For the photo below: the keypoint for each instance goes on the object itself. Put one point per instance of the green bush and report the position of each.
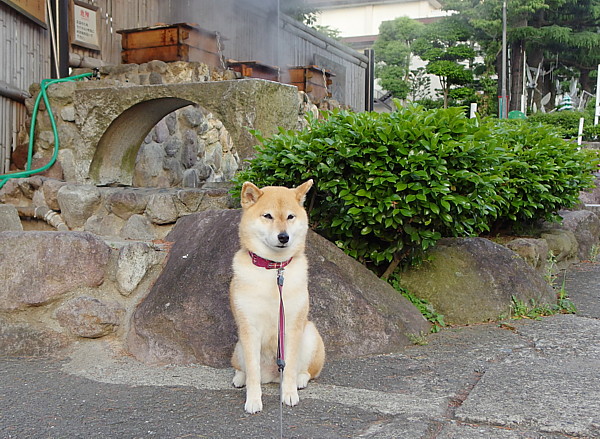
(541, 172)
(388, 186)
(566, 123)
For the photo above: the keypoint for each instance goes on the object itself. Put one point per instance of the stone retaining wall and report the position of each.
(74, 286)
(118, 213)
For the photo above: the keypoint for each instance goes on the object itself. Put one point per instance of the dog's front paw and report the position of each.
(239, 379)
(253, 405)
(290, 397)
(302, 380)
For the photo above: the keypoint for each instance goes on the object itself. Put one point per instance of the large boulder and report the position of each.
(186, 316)
(39, 267)
(471, 280)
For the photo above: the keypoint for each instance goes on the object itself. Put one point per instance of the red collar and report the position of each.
(265, 263)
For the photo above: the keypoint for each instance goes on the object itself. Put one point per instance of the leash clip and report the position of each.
(280, 276)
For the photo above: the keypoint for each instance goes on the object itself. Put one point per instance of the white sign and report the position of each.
(85, 31)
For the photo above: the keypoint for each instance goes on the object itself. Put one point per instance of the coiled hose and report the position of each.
(41, 95)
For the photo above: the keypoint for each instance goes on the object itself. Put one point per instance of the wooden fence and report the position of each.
(249, 30)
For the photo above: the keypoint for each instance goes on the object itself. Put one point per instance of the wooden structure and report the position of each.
(313, 80)
(254, 69)
(176, 42)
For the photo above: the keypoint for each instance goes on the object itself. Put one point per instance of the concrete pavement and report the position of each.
(515, 380)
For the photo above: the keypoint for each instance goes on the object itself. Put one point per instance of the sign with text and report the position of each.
(33, 9)
(84, 25)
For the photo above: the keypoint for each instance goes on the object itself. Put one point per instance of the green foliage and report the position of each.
(419, 84)
(392, 78)
(389, 185)
(541, 172)
(393, 54)
(444, 45)
(566, 123)
(532, 310)
(424, 307)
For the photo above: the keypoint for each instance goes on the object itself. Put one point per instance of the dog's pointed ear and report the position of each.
(302, 190)
(250, 194)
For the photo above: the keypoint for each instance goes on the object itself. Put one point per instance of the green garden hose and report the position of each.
(42, 95)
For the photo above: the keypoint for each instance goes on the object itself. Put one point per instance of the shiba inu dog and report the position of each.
(272, 236)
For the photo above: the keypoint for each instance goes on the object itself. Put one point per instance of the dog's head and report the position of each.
(274, 222)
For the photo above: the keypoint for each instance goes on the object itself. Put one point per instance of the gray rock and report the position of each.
(104, 225)
(45, 139)
(192, 116)
(189, 200)
(68, 113)
(77, 203)
(127, 202)
(89, 317)
(189, 154)
(161, 132)
(11, 193)
(189, 136)
(533, 251)
(155, 78)
(174, 171)
(591, 196)
(51, 188)
(161, 208)
(563, 246)
(229, 166)
(134, 261)
(29, 185)
(585, 225)
(9, 219)
(471, 280)
(204, 171)
(171, 121)
(213, 156)
(190, 178)
(39, 267)
(23, 340)
(149, 170)
(172, 146)
(216, 196)
(186, 317)
(138, 228)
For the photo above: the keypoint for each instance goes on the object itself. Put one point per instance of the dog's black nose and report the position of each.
(283, 237)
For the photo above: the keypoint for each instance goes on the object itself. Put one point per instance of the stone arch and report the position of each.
(114, 122)
(114, 160)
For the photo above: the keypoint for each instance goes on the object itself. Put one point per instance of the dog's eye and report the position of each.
(267, 216)
(291, 217)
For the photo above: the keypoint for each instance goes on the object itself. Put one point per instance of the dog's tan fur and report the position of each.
(254, 297)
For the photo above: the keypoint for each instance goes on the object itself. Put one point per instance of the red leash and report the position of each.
(281, 328)
(270, 265)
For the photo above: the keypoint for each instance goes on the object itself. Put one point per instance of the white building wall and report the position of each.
(365, 19)
(353, 21)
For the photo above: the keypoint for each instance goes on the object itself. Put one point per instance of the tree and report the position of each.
(393, 54)
(549, 33)
(445, 45)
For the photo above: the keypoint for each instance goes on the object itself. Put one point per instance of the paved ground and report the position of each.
(521, 379)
